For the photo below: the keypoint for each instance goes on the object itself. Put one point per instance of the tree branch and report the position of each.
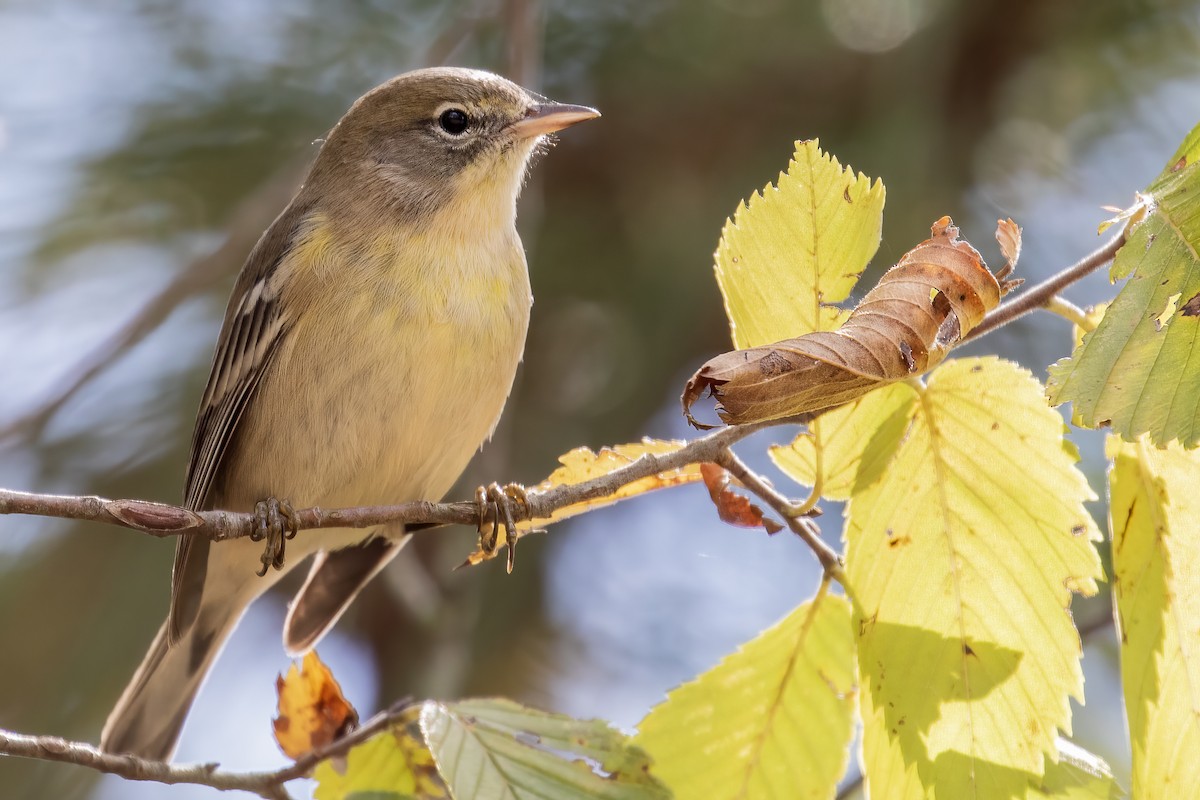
(265, 784)
(1039, 296)
(160, 519)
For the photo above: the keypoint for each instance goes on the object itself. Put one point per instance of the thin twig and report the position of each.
(264, 784)
(1038, 296)
(803, 527)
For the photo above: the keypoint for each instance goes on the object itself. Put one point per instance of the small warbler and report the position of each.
(366, 353)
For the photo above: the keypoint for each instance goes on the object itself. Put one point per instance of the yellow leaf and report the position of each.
(773, 720)
(849, 447)
(962, 560)
(313, 712)
(1154, 508)
(395, 764)
(797, 248)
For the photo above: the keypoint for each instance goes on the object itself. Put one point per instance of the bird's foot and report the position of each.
(274, 521)
(504, 505)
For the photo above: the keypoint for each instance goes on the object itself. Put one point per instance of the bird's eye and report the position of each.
(454, 121)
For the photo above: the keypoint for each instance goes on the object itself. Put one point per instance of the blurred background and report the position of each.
(145, 144)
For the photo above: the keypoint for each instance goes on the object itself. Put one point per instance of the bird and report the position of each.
(366, 353)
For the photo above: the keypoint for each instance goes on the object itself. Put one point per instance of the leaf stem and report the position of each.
(814, 429)
(1070, 312)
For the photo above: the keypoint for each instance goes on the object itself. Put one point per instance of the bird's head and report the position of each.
(431, 136)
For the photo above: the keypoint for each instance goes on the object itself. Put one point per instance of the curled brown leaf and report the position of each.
(920, 309)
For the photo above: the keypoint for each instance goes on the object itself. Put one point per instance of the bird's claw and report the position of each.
(275, 521)
(497, 502)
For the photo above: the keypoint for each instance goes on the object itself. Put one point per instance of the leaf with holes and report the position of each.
(499, 750)
(1138, 370)
(773, 720)
(962, 559)
(1154, 506)
(919, 310)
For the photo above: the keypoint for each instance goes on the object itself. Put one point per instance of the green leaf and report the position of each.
(962, 560)
(773, 720)
(849, 447)
(499, 750)
(1139, 371)
(1154, 508)
(392, 765)
(796, 248)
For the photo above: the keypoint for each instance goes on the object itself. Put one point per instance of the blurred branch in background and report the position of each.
(523, 42)
(249, 220)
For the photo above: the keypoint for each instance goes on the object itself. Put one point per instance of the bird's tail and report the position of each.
(148, 718)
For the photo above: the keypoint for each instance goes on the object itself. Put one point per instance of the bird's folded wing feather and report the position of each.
(254, 326)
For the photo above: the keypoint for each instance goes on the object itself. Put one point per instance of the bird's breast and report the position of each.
(391, 377)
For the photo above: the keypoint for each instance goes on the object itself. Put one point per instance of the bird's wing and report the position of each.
(254, 326)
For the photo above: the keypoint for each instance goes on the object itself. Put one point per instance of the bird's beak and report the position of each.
(550, 117)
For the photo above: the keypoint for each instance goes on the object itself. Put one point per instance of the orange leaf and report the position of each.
(919, 310)
(313, 712)
(732, 507)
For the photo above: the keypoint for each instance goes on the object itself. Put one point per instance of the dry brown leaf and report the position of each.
(1008, 234)
(732, 507)
(920, 309)
(582, 464)
(313, 712)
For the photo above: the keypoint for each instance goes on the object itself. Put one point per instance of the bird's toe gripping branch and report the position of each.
(502, 505)
(274, 521)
